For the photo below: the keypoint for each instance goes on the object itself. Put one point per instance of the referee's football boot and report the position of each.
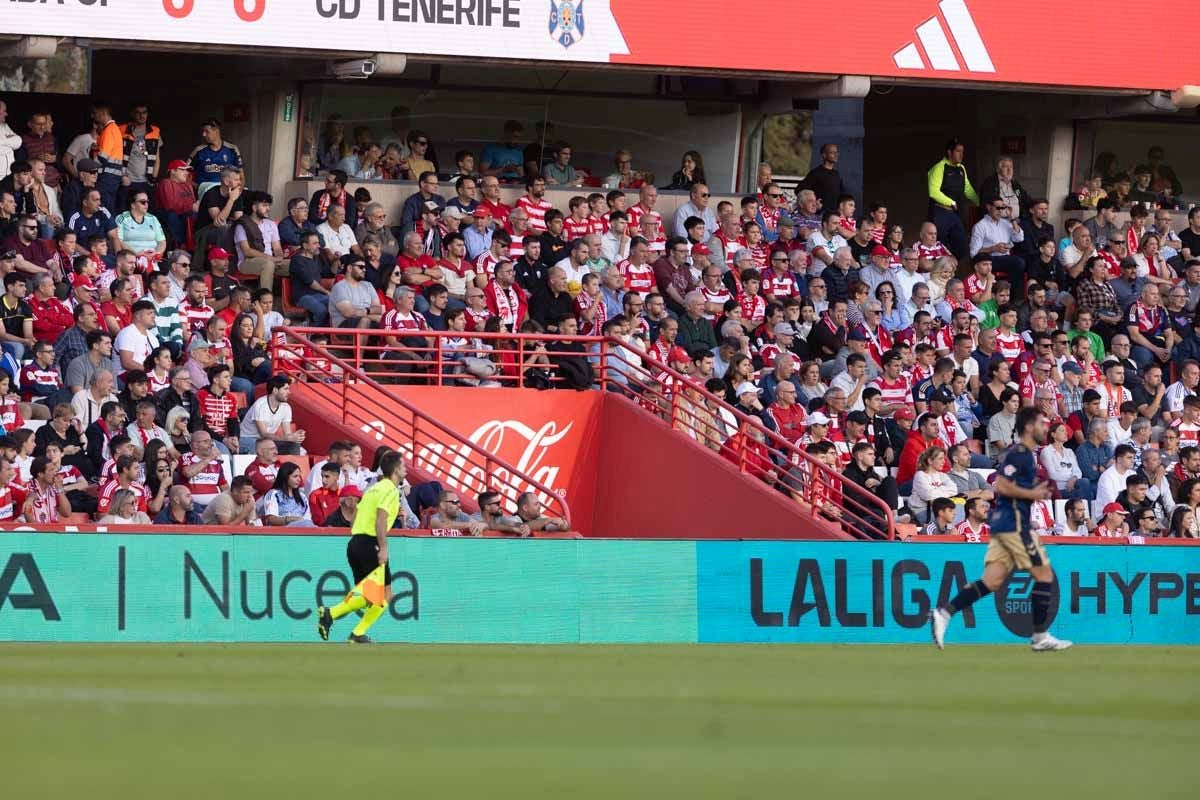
(324, 623)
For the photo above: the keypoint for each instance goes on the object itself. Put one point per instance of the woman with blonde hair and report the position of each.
(931, 482)
(124, 510)
(939, 276)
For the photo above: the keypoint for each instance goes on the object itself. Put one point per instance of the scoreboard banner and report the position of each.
(115, 587)
(1018, 41)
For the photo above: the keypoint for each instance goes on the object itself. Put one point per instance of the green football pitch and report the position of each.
(407, 721)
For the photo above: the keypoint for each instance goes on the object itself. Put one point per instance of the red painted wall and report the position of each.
(624, 473)
(656, 482)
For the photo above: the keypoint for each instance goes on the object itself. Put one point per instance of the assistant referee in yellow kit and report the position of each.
(368, 549)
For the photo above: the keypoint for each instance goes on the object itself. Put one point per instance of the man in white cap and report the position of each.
(747, 399)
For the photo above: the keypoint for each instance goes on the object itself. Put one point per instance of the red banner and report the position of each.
(1031, 42)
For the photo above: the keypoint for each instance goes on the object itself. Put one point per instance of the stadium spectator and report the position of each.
(942, 512)
(250, 359)
(450, 516)
(257, 241)
(45, 502)
(353, 303)
(265, 466)
(178, 509)
(1113, 480)
(930, 481)
(271, 417)
(233, 507)
(337, 237)
(491, 515)
(41, 383)
(123, 510)
(323, 500)
(285, 502)
(125, 477)
(343, 515)
(220, 207)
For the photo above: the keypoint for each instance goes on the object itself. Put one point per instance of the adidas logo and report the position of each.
(937, 44)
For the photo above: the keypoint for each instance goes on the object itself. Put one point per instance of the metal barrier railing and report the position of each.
(429, 445)
(547, 361)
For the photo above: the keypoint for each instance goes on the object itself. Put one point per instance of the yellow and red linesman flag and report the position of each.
(373, 587)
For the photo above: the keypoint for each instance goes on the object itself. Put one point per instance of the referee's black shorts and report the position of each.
(363, 554)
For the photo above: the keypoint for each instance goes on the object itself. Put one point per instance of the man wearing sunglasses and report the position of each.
(450, 517)
(696, 206)
(32, 253)
(769, 209)
(995, 235)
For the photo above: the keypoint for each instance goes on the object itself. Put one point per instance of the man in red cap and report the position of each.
(218, 282)
(878, 271)
(343, 517)
(478, 234)
(678, 360)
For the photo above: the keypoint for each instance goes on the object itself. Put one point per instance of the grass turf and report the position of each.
(249, 721)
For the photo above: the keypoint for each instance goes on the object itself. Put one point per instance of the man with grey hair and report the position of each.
(596, 261)
(87, 402)
(808, 214)
(179, 266)
(908, 276)
(612, 291)
(337, 235)
(695, 330)
(878, 270)
(696, 206)
(1159, 492)
(955, 299)
(724, 244)
(840, 273)
(375, 224)
(1095, 454)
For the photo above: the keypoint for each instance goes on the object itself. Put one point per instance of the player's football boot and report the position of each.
(356, 639)
(939, 619)
(1048, 642)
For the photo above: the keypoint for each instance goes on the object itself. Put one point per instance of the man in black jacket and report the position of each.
(179, 393)
(530, 268)
(862, 480)
(551, 302)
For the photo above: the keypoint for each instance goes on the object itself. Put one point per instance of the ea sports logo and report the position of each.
(1014, 604)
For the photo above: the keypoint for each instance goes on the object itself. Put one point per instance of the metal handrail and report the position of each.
(819, 489)
(465, 465)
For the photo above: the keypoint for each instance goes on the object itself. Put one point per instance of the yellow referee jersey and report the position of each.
(383, 495)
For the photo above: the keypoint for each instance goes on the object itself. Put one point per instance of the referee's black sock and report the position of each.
(968, 596)
(1041, 605)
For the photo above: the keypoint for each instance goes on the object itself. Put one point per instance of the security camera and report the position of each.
(358, 68)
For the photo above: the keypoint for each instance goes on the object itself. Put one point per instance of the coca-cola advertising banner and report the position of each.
(957, 40)
(551, 437)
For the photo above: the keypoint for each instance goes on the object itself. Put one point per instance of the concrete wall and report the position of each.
(906, 131)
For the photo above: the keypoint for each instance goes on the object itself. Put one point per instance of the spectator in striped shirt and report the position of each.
(167, 323)
(534, 203)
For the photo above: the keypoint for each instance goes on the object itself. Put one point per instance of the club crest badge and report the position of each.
(566, 21)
